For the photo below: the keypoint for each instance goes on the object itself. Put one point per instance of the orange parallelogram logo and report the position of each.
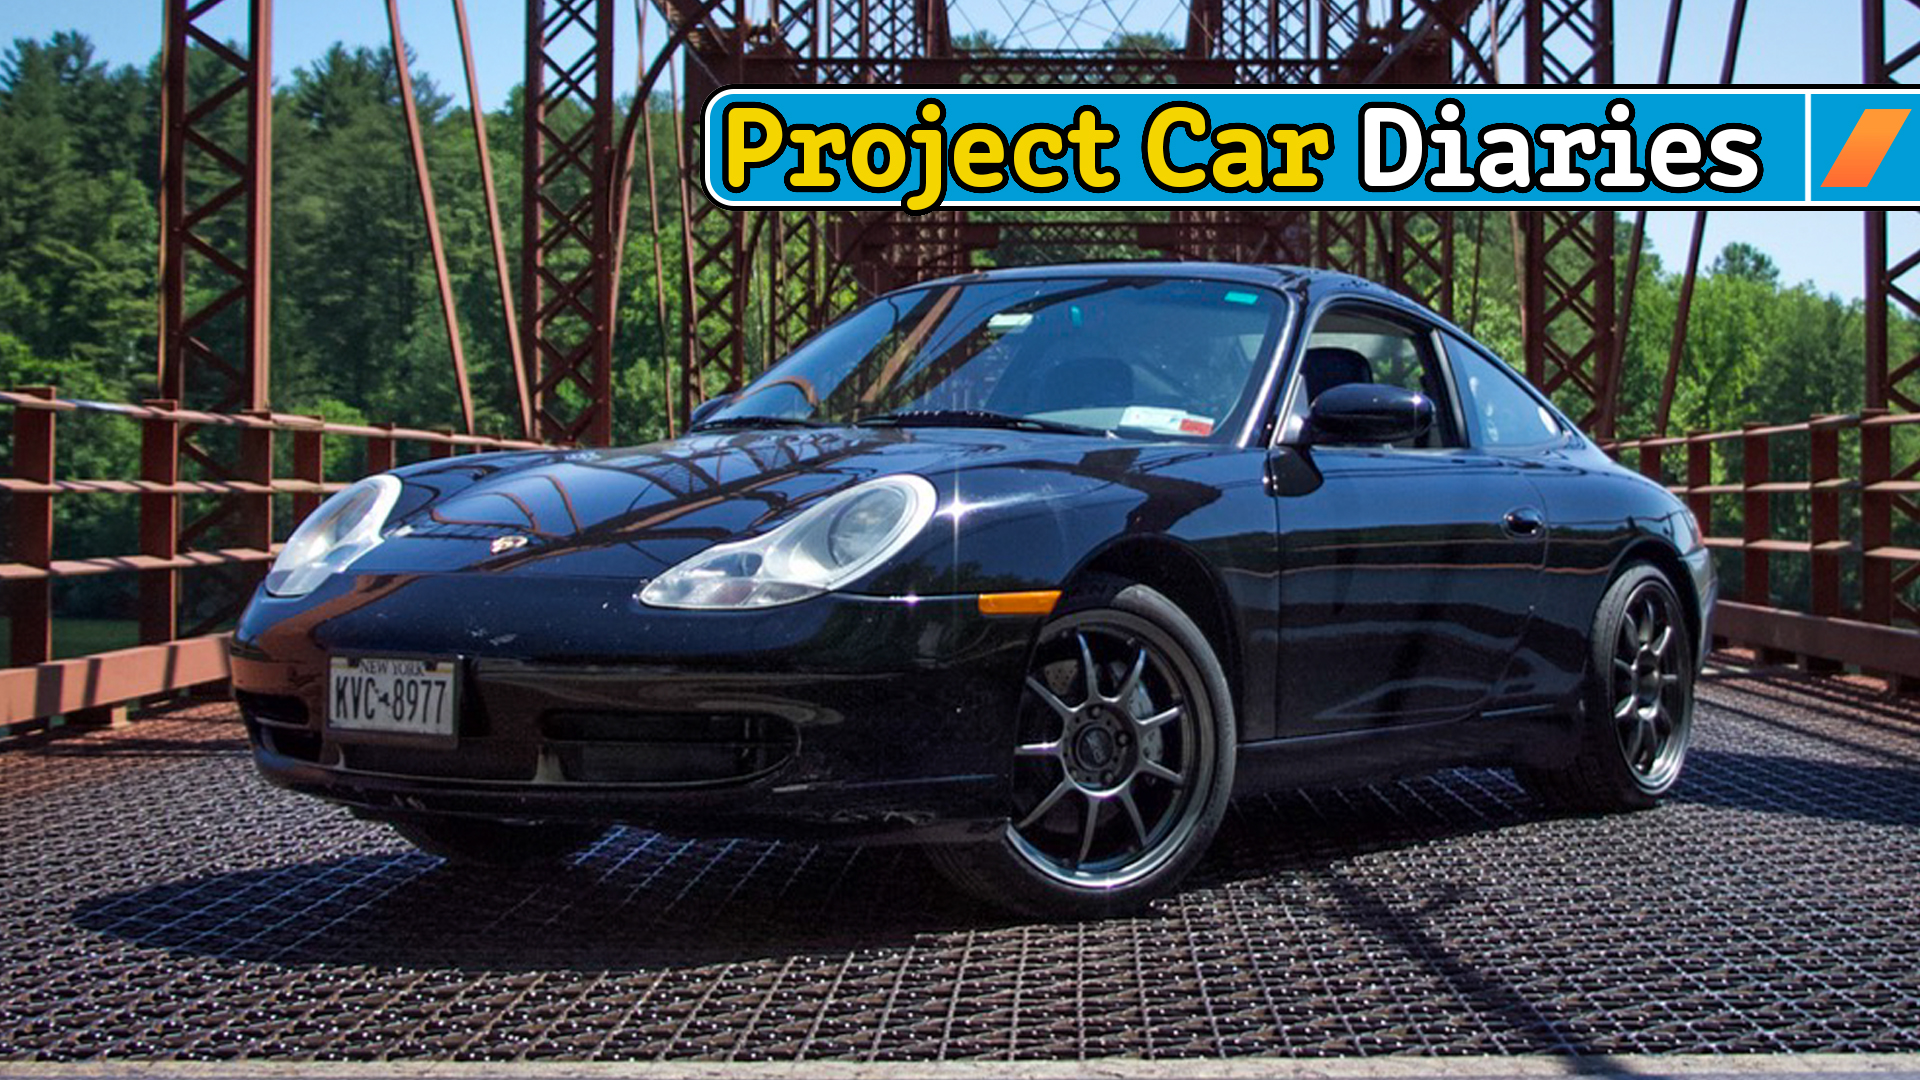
(1866, 148)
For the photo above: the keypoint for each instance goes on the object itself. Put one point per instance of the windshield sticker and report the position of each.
(1169, 421)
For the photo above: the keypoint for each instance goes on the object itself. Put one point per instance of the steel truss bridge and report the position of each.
(157, 902)
(749, 283)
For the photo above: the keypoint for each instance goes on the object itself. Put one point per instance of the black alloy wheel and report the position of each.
(1638, 702)
(1651, 711)
(1121, 765)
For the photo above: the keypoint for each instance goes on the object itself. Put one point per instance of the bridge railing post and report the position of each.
(379, 456)
(1824, 483)
(160, 523)
(309, 466)
(1876, 518)
(1756, 518)
(1650, 463)
(256, 512)
(1699, 499)
(30, 597)
(1881, 488)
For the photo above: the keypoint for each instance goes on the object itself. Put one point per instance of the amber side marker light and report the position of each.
(1019, 603)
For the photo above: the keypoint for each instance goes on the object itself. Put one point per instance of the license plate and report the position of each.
(392, 695)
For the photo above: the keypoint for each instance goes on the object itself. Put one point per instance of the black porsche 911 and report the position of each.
(1035, 567)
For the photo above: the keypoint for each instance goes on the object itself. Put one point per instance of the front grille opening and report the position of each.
(666, 748)
(301, 745)
(273, 710)
(278, 725)
(471, 759)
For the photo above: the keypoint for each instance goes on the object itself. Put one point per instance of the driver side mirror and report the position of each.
(1369, 413)
(708, 408)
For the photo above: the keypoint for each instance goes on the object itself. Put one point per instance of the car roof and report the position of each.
(1250, 273)
(1272, 275)
(1275, 275)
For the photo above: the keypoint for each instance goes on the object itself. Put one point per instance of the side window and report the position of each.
(1501, 412)
(1359, 345)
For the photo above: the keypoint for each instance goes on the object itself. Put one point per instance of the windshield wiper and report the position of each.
(757, 422)
(985, 418)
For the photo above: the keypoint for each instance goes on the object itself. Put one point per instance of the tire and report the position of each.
(1637, 705)
(1118, 787)
(483, 842)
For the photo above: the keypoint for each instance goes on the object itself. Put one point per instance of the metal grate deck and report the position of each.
(158, 900)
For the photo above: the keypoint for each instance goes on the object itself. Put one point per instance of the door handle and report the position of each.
(1524, 522)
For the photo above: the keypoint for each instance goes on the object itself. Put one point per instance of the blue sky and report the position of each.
(1782, 44)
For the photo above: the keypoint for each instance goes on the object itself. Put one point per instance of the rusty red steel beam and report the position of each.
(15, 485)
(26, 401)
(1883, 650)
(1676, 347)
(1876, 309)
(1667, 41)
(216, 249)
(1882, 65)
(690, 293)
(30, 603)
(259, 203)
(1616, 372)
(102, 680)
(531, 256)
(310, 469)
(1473, 300)
(496, 229)
(663, 64)
(1873, 47)
(1756, 518)
(119, 564)
(643, 94)
(569, 214)
(185, 360)
(34, 686)
(1876, 520)
(170, 358)
(1826, 637)
(423, 178)
(1869, 419)
(1610, 407)
(1888, 486)
(159, 525)
(1736, 26)
(1825, 483)
(627, 145)
(1451, 17)
(1730, 58)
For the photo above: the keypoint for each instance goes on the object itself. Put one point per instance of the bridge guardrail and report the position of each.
(95, 688)
(1880, 633)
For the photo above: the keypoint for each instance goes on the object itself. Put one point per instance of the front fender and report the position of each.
(1030, 524)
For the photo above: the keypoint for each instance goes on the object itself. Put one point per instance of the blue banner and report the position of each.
(922, 148)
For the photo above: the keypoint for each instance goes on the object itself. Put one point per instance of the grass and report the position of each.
(79, 637)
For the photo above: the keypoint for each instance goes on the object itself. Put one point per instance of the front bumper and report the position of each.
(1706, 591)
(838, 716)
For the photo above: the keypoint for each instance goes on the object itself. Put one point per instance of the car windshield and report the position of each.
(1138, 357)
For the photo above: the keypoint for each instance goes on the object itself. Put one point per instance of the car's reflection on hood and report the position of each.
(634, 512)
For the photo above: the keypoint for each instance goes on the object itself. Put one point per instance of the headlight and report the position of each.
(345, 527)
(821, 549)
(1691, 528)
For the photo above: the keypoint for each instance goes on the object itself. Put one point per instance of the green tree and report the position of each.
(1741, 260)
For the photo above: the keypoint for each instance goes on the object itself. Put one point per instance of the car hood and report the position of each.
(632, 513)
